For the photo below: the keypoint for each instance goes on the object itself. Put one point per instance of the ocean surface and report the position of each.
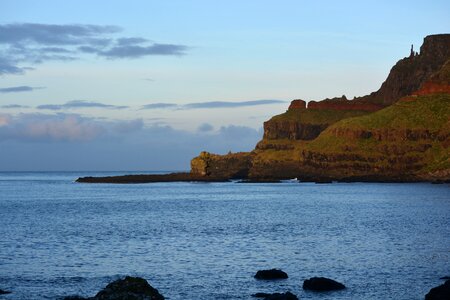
(207, 240)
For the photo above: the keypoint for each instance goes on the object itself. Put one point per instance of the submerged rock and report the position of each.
(322, 284)
(276, 296)
(441, 292)
(3, 292)
(270, 274)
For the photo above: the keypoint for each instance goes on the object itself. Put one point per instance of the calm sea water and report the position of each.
(207, 240)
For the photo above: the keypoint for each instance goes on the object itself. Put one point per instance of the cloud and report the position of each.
(159, 106)
(131, 41)
(37, 43)
(51, 34)
(18, 89)
(212, 104)
(205, 127)
(8, 106)
(75, 104)
(224, 104)
(134, 51)
(9, 67)
(40, 127)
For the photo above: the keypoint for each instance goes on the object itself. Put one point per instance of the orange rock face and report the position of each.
(297, 104)
(344, 105)
(433, 88)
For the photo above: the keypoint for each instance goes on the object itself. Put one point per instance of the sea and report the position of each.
(207, 240)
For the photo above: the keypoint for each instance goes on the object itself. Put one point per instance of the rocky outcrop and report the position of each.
(441, 292)
(322, 284)
(230, 166)
(132, 288)
(3, 292)
(292, 130)
(271, 274)
(129, 288)
(399, 133)
(297, 104)
(276, 296)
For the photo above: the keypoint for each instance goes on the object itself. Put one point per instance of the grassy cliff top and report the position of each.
(430, 112)
(316, 116)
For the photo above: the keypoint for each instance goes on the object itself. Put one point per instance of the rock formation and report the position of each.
(441, 292)
(322, 284)
(130, 288)
(399, 133)
(271, 274)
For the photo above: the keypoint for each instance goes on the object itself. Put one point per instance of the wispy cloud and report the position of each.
(36, 43)
(79, 104)
(42, 127)
(134, 51)
(9, 106)
(18, 89)
(225, 104)
(159, 106)
(211, 104)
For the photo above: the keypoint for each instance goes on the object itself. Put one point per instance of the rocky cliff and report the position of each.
(409, 73)
(399, 133)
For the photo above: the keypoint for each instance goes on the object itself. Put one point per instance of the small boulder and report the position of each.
(270, 274)
(322, 284)
(276, 296)
(441, 292)
(130, 288)
(3, 292)
(445, 277)
(76, 297)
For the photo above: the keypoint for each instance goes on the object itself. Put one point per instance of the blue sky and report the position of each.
(152, 83)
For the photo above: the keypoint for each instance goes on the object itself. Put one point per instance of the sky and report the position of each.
(147, 85)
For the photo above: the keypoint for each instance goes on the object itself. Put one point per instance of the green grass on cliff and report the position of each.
(317, 116)
(422, 112)
(430, 113)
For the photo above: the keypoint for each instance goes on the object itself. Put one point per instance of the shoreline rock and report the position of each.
(272, 274)
(322, 284)
(130, 288)
(441, 292)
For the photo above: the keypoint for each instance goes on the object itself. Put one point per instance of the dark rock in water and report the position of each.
(445, 277)
(271, 274)
(441, 292)
(322, 284)
(129, 288)
(149, 178)
(76, 297)
(276, 296)
(3, 292)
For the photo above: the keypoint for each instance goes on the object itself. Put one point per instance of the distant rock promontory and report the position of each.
(400, 133)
